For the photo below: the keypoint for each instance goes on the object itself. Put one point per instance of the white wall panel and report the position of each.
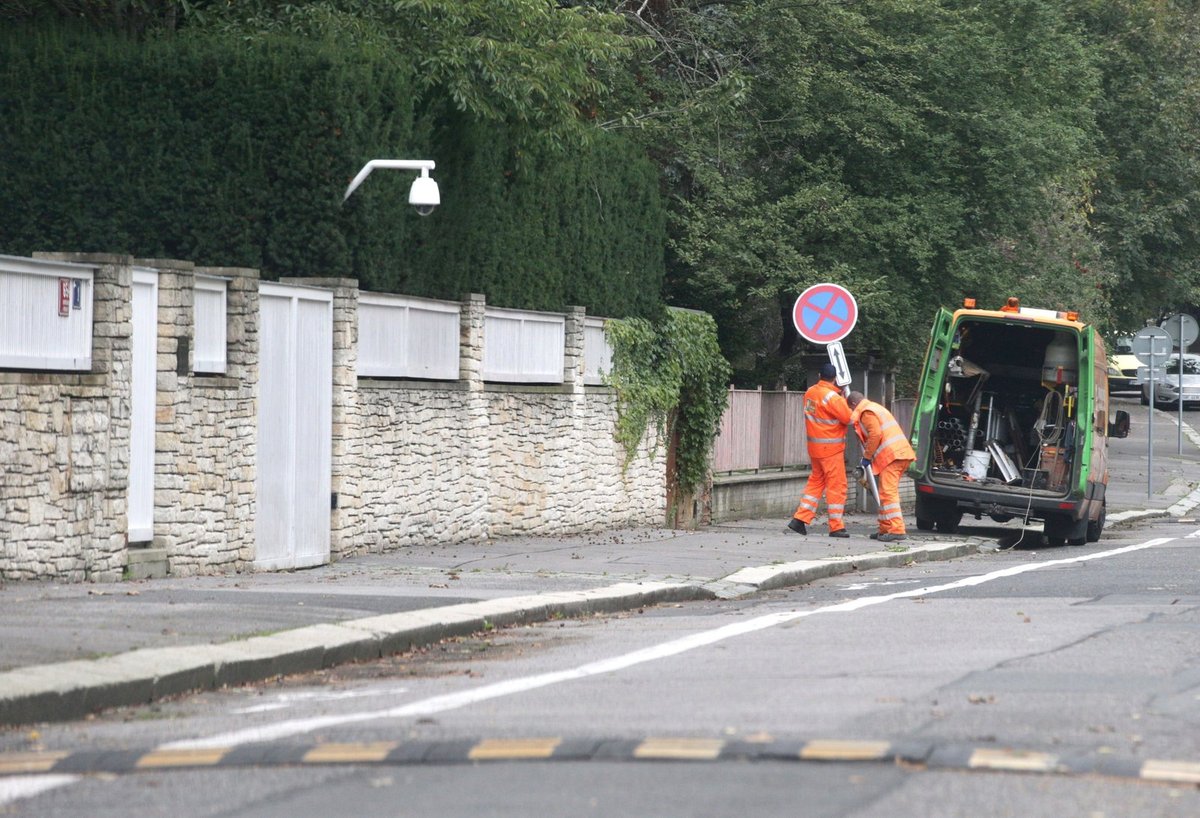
(314, 430)
(405, 337)
(523, 347)
(597, 352)
(143, 409)
(294, 426)
(34, 332)
(211, 321)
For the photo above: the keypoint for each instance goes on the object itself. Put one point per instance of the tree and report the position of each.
(1147, 199)
(914, 153)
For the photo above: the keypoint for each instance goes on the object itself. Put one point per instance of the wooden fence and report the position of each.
(765, 430)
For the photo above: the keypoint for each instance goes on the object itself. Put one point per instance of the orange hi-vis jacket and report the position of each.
(884, 442)
(826, 416)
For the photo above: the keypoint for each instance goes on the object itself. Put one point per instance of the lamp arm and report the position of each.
(423, 165)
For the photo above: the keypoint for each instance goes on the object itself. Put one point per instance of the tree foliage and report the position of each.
(1147, 184)
(914, 153)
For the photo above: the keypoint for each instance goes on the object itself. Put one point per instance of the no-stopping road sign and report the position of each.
(825, 313)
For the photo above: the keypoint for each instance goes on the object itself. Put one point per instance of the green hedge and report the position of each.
(542, 228)
(219, 152)
(226, 152)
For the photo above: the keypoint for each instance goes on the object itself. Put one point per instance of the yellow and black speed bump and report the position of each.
(913, 754)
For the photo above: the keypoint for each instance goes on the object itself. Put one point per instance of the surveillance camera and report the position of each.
(424, 195)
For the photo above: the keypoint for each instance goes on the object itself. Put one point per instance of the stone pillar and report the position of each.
(477, 523)
(176, 530)
(573, 360)
(91, 457)
(220, 454)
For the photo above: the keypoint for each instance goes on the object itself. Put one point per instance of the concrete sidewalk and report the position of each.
(66, 650)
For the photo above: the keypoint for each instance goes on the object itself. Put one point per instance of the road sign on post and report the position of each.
(1151, 345)
(1151, 342)
(1183, 331)
(1182, 326)
(825, 313)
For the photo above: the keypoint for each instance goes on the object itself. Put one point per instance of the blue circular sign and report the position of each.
(825, 313)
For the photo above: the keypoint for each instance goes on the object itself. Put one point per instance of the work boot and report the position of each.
(876, 535)
(796, 526)
(840, 533)
(891, 537)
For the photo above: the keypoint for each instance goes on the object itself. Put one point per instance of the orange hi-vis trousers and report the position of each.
(891, 517)
(828, 477)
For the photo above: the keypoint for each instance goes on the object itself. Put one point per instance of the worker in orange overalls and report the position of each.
(826, 416)
(887, 453)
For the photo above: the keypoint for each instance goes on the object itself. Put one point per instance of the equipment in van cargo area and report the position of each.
(1012, 421)
(1013, 389)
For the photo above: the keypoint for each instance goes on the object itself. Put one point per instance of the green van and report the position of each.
(1012, 421)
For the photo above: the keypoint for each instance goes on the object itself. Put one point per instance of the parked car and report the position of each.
(1123, 367)
(1166, 383)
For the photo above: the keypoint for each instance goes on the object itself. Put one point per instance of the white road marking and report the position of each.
(1195, 535)
(454, 701)
(288, 699)
(862, 586)
(27, 786)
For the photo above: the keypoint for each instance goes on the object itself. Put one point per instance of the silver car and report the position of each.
(1166, 383)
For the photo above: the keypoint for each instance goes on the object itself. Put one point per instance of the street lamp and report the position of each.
(423, 195)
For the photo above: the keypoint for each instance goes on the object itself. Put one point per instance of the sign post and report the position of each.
(1148, 344)
(825, 314)
(1183, 331)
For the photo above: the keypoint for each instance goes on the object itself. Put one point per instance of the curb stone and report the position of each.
(71, 690)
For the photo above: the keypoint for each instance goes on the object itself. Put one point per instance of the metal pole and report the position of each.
(1179, 439)
(1150, 431)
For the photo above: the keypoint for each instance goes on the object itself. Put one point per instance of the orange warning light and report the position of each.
(969, 303)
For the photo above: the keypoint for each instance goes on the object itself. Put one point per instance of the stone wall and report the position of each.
(422, 463)
(64, 454)
(414, 463)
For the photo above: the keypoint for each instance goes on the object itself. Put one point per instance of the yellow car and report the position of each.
(1123, 367)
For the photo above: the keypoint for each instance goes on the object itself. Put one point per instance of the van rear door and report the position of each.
(929, 392)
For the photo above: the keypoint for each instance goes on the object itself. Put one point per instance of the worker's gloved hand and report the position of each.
(865, 463)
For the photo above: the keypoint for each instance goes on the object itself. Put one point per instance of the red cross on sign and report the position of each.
(825, 313)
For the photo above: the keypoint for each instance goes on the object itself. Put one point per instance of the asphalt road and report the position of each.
(1025, 681)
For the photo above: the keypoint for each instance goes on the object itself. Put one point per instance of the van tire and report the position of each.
(1096, 527)
(1060, 528)
(937, 512)
(948, 522)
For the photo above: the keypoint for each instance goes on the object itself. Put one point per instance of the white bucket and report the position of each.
(977, 463)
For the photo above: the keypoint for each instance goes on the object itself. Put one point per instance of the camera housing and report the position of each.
(424, 194)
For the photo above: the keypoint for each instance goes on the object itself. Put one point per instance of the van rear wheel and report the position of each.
(948, 522)
(1096, 527)
(936, 512)
(1062, 528)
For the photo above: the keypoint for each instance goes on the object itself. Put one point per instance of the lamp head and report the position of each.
(424, 194)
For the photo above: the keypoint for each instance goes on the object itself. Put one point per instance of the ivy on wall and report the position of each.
(672, 377)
